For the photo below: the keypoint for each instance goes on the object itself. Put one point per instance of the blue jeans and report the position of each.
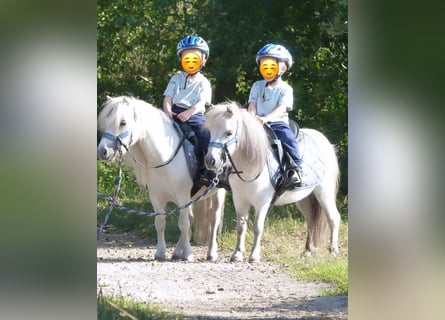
(195, 123)
(287, 138)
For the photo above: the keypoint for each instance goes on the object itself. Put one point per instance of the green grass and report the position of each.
(118, 308)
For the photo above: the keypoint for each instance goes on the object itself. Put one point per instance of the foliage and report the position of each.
(137, 40)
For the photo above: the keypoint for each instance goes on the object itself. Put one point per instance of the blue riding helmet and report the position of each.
(193, 42)
(275, 51)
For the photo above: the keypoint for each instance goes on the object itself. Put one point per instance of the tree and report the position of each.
(137, 52)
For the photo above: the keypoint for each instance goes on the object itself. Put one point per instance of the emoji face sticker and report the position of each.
(269, 68)
(191, 61)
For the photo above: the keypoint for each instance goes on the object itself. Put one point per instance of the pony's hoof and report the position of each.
(212, 258)
(177, 257)
(254, 260)
(189, 258)
(306, 253)
(333, 251)
(160, 258)
(236, 257)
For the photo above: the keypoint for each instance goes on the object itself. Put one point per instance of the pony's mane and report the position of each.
(253, 143)
(142, 109)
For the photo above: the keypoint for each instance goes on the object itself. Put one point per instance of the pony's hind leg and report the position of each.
(329, 208)
(315, 221)
(305, 207)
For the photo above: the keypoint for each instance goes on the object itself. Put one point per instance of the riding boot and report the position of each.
(292, 178)
(206, 177)
(293, 175)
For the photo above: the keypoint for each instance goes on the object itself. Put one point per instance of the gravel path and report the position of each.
(205, 290)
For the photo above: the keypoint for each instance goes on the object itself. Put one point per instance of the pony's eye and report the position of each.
(229, 134)
(123, 123)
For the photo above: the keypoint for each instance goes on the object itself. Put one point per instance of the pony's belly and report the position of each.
(293, 196)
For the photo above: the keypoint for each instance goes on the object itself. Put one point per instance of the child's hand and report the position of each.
(261, 120)
(185, 115)
(170, 114)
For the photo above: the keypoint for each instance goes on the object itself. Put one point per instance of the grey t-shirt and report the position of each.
(267, 98)
(186, 92)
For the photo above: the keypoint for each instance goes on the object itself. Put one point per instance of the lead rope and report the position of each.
(113, 203)
(113, 200)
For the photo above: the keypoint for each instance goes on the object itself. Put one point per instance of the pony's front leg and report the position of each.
(183, 249)
(258, 229)
(241, 227)
(215, 220)
(160, 230)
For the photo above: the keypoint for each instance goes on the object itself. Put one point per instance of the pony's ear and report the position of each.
(229, 112)
(108, 98)
(124, 100)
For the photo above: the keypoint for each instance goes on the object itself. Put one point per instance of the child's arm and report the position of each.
(168, 106)
(252, 108)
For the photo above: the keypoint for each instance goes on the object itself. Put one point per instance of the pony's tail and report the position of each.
(201, 221)
(320, 224)
(317, 223)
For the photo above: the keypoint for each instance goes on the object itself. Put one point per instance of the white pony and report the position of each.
(236, 135)
(159, 163)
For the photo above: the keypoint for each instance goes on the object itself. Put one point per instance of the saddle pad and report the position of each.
(313, 167)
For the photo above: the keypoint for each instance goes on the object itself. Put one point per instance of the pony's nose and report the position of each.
(209, 162)
(102, 153)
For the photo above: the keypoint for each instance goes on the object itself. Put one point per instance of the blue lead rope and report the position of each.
(113, 203)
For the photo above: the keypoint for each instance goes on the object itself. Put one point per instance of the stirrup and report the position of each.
(292, 179)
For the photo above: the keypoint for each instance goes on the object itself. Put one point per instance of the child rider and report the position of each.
(269, 101)
(189, 91)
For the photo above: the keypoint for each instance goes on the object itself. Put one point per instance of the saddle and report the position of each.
(283, 158)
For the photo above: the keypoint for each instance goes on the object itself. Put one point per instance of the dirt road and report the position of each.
(205, 290)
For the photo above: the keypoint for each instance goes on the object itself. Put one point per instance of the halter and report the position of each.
(118, 139)
(224, 147)
(118, 143)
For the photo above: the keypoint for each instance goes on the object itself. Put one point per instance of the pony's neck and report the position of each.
(158, 138)
(250, 156)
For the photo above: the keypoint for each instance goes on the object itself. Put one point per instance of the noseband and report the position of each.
(118, 139)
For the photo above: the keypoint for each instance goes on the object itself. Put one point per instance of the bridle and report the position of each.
(225, 153)
(118, 143)
(118, 139)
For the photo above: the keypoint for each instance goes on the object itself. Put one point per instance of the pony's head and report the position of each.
(116, 120)
(236, 132)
